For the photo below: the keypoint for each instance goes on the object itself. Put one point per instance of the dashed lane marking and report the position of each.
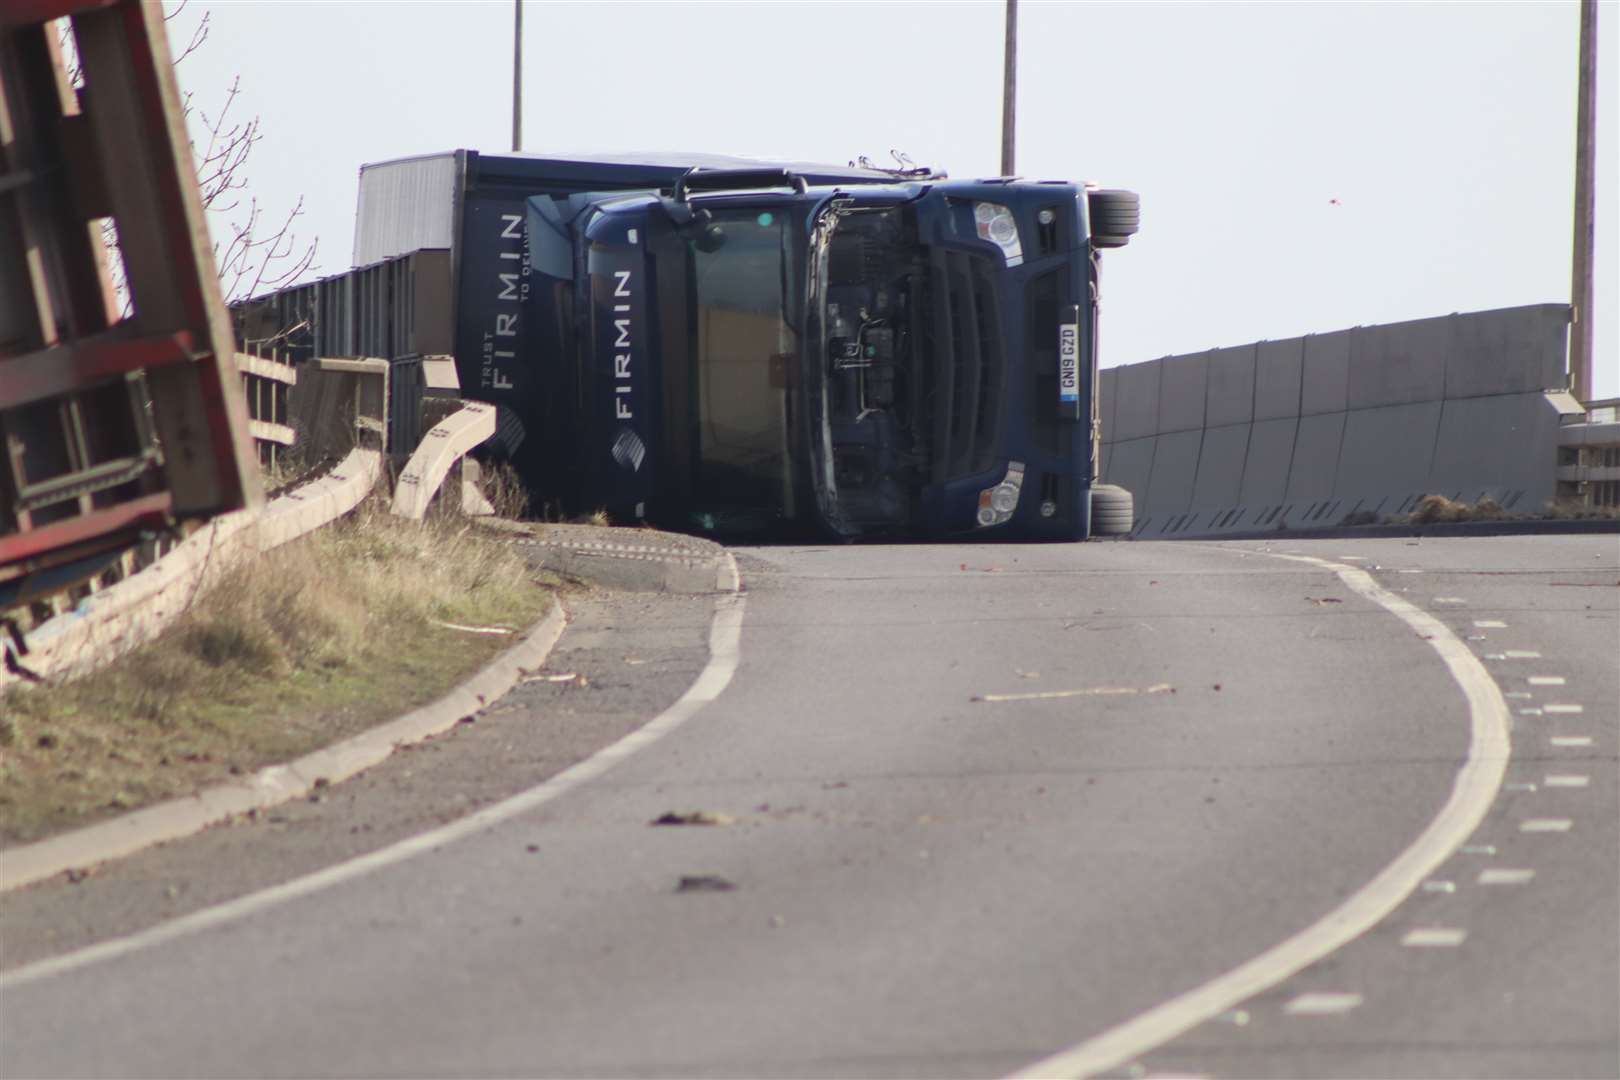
(1434, 937)
(1449, 600)
(1504, 877)
(1440, 886)
(1546, 824)
(1563, 710)
(1322, 1004)
(1518, 695)
(1545, 680)
(1571, 740)
(1520, 786)
(1566, 780)
(1529, 712)
(1474, 788)
(1478, 849)
(1520, 654)
(1490, 624)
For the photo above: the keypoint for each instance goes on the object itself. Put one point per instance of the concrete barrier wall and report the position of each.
(1304, 432)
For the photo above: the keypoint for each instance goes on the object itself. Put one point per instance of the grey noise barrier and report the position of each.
(1301, 433)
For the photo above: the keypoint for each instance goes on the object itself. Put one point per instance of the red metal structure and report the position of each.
(109, 426)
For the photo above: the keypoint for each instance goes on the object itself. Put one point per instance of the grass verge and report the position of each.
(318, 640)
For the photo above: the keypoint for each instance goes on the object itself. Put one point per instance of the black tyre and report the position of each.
(1113, 511)
(1115, 216)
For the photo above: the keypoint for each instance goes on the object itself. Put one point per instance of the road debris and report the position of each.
(1320, 600)
(572, 678)
(692, 817)
(704, 883)
(1094, 691)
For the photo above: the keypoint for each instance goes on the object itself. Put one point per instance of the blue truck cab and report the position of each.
(716, 344)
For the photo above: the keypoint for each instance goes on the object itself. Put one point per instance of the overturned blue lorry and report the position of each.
(723, 345)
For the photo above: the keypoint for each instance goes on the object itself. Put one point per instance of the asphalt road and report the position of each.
(979, 806)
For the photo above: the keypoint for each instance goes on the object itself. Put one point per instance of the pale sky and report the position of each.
(1444, 131)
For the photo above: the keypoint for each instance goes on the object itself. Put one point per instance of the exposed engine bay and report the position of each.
(872, 310)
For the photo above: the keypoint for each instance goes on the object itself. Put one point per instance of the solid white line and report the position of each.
(725, 633)
(1546, 824)
(1474, 789)
(1558, 780)
(1322, 1004)
(1505, 877)
(1434, 937)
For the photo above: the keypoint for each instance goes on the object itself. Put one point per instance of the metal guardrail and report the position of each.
(346, 404)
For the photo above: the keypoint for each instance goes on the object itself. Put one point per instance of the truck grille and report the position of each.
(965, 335)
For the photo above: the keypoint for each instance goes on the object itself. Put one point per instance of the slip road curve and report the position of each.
(972, 805)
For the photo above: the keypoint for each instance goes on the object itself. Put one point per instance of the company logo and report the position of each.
(628, 450)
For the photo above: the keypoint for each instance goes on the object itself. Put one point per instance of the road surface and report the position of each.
(978, 810)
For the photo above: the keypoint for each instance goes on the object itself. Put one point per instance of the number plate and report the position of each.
(1069, 368)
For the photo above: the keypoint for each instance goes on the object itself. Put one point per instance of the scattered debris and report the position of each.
(76, 874)
(704, 883)
(835, 785)
(572, 678)
(531, 848)
(693, 817)
(1320, 600)
(475, 629)
(1094, 691)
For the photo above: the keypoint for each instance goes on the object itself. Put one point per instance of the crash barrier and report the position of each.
(396, 310)
(1589, 456)
(348, 398)
(1313, 431)
(441, 449)
(266, 383)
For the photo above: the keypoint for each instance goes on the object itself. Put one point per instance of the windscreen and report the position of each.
(744, 276)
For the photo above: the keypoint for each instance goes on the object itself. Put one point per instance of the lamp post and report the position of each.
(1009, 90)
(517, 75)
(1580, 286)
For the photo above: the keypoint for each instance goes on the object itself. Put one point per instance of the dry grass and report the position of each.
(319, 639)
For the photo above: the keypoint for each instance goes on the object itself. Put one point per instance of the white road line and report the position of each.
(1518, 695)
(1565, 780)
(1519, 787)
(1474, 788)
(1434, 937)
(1521, 654)
(1529, 712)
(1478, 849)
(1545, 680)
(1546, 824)
(1490, 624)
(1440, 886)
(1571, 740)
(1322, 1004)
(725, 633)
(1505, 877)
(1449, 600)
(1563, 710)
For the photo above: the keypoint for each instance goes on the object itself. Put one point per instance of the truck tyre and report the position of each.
(1113, 511)
(1115, 216)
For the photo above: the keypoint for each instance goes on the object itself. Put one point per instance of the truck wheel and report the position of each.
(1115, 216)
(1113, 511)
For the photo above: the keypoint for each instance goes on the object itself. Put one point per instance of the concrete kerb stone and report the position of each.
(179, 818)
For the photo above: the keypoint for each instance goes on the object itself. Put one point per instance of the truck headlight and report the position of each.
(996, 504)
(995, 223)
